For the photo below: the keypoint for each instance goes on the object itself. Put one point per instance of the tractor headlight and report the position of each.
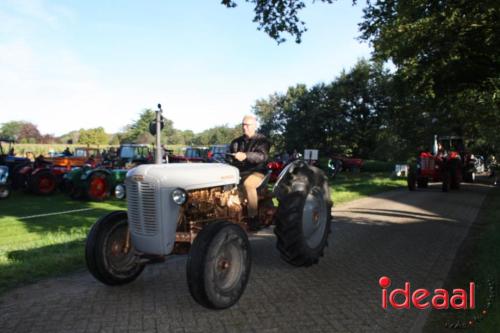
(120, 191)
(179, 196)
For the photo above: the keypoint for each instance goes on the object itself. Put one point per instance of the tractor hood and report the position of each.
(188, 176)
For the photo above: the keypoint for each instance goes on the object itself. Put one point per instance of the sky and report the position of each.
(66, 65)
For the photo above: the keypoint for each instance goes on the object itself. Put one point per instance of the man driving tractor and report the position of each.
(251, 152)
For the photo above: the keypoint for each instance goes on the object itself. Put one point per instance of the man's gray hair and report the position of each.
(251, 116)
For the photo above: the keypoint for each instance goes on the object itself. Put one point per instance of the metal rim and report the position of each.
(118, 256)
(97, 187)
(314, 218)
(46, 184)
(228, 263)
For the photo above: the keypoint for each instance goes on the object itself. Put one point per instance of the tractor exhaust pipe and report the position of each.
(159, 154)
(435, 145)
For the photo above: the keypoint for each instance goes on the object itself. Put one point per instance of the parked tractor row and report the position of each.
(88, 173)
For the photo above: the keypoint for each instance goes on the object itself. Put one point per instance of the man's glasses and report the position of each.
(247, 124)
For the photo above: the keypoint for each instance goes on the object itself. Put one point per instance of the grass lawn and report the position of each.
(478, 260)
(35, 248)
(347, 186)
(40, 247)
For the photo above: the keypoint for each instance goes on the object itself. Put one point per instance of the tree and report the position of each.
(441, 46)
(446, 52)
(278, 17)
(138, 131)
(217, 135)
(93, 136)
(28, 133)
(70, 138)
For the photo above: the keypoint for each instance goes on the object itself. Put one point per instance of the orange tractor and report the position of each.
(46, 174)
(448, 163)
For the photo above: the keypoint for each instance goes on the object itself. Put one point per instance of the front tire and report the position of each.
(218, 266)
(43, 183)
(302, 227)
(4, 191)
(108, 257)
(99, 188)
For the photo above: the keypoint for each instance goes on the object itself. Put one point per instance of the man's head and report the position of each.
(249, 125)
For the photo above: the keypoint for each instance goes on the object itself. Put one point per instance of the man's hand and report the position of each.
(240, 156)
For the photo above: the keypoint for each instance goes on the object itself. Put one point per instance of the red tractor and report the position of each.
(449, 163)
(45, 175)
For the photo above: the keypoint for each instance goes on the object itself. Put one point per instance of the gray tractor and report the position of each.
(199, 210)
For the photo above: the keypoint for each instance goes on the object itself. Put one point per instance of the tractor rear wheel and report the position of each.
(99, 188)
(302, 226)
(218, 265)
(75, 192)
(470, 177)
(109, 253)
(446, 180)
(43, 183)
(423, 182)
(456, 174)
(411, 180)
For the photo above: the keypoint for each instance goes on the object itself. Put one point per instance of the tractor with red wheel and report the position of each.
(38, 177)
(447, 163)
(98, 184)
(45, 175)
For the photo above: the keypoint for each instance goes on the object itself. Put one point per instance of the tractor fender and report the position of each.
(25, 170)
(87, 174)
(39, 170)
(299, 176)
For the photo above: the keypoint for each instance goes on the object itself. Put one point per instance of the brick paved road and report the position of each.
(406, 236)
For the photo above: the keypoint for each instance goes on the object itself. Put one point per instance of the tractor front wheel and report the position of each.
(218, 265)
(109, 252)
(98, 187)
(43, 183)
(470, 177)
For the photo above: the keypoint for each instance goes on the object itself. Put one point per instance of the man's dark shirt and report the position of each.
(257, 151)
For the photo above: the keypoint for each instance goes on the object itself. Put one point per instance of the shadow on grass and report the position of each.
(69, 215)
(27, 266)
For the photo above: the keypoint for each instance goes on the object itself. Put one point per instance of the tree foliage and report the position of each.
(442, 47)
(93, 136)
(447, 78)
(22, 131)
(278, 17)
(348, 115)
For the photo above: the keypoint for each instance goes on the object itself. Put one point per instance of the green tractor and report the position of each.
(98, 184)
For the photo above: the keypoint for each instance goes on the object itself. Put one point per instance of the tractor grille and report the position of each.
(142, 208)
(427, 163)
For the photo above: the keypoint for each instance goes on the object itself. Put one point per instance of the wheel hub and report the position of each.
(223, 264)
(116, 248)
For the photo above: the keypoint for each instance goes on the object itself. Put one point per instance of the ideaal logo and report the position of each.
(403, 298)
(440, 299)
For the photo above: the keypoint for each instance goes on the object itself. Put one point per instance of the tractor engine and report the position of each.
(217, 203)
